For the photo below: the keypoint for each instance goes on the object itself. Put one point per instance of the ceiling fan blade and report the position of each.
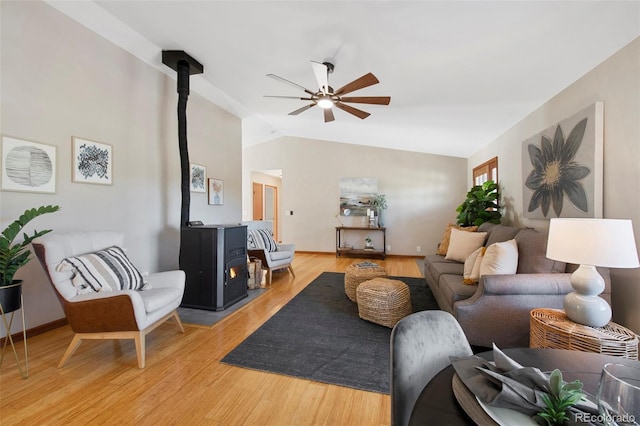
(287, 97)
(351, 110)
(322, 76)
(291, 83)
(360, 83)
(328, 115)
(376, 100)
(303, 109)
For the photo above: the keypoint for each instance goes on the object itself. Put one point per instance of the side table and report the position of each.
(551, 328)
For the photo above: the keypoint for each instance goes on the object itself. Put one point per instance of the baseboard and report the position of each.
(410, 256)
(41, 329)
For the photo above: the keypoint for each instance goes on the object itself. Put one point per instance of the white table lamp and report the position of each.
(590, 243)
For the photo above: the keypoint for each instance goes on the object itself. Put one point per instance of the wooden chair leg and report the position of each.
(291, 270)
(70, 349)
(140, 349)
(176, 317)
(269, 276)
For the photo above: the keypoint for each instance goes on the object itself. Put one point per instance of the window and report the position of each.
(486, 171)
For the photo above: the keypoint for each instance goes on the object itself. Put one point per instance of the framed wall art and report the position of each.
(562, 167)
(28, 166)
(197, 178)
(356, 195)
(92, 162)
(216, 192)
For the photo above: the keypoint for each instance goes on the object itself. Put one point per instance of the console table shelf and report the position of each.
(359, 252)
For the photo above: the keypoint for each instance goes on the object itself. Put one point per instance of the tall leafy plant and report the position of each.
(480, 206)
(15, 256)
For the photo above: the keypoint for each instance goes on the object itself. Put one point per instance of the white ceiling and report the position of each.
(459, 73)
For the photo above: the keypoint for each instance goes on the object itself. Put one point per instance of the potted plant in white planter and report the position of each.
(14, 256)
(379, 203)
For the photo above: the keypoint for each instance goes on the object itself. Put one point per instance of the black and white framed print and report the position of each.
(28, 166)
(197, 178)
(92, 162)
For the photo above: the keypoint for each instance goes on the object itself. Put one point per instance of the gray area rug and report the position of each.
(319, 336)
(204, 317)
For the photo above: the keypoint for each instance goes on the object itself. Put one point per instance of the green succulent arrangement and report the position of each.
(480, 206)
(379, 201)
(14, 257)
(562, 396)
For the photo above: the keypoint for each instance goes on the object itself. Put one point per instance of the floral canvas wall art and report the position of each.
(197, 178)
(92, 162)
(562, 168)
(216, 192)
(28, 166)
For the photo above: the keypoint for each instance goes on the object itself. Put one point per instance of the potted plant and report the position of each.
(379, 203)
(480, 206)
(368, 242)
(14, 256)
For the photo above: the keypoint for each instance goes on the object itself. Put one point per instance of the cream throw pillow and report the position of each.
(463, 243)
(472, 267)
(500, 259)
(443, 247)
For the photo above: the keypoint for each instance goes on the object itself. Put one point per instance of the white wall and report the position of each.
(58, 80)
(616, 82)
(422, 190)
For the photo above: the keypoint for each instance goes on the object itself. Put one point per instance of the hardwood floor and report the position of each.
(184, 382)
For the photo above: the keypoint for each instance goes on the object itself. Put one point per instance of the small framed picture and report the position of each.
(92, 162)
(28, 166)
(216, 192)
(198, 178)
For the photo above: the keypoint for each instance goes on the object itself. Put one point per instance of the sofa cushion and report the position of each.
(532, 247)
(446, 237)
(453, 289)
(438, 268)
(500, 259)
(157, 298)
(462, 244)
(501, 233)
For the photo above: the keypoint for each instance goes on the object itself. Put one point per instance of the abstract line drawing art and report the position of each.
(28, 166)
(92, 162)
(562, 168)
(198, 178)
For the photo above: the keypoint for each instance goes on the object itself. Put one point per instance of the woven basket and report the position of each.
(355, 275)
(551, 328)
(383, 301)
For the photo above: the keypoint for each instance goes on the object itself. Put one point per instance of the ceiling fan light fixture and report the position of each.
(325, 102)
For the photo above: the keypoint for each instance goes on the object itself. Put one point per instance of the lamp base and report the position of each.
(584, 306)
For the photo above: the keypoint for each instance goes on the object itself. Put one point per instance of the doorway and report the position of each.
(266, 205)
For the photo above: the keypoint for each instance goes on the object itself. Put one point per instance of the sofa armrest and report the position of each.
(287, 247)
(519, 284)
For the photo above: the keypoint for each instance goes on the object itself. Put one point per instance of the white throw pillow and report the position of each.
(462, 244)
(500, 259)
(472, 267)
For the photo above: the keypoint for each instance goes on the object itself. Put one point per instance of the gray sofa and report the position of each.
(496, 310)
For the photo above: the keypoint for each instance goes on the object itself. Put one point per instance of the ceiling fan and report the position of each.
(326, 98)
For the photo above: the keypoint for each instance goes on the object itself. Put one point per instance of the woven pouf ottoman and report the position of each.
(360, 272)
(383, 301)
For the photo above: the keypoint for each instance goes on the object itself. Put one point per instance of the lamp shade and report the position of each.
(597, 242)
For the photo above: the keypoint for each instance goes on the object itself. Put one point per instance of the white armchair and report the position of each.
(260, 244)
(117, 314)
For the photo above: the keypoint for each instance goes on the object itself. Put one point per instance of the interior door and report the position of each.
(271, 208)
(258, 201)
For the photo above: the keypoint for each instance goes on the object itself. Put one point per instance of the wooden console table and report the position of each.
(360, 252)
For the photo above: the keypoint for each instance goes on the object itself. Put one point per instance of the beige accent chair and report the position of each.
(421, 345)
(120, 314)
(279, 257)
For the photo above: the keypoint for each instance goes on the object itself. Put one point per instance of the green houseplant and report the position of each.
(379, 203)
(480, 206)
(14, 256)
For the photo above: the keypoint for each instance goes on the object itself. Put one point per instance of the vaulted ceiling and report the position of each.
(459, 73)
